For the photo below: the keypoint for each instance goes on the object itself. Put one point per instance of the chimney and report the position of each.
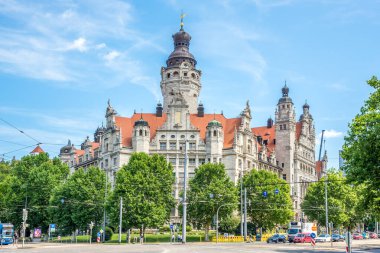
(270, 122)
(159, 110)
(201, 110)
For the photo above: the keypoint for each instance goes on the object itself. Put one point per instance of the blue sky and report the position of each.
(60, 61)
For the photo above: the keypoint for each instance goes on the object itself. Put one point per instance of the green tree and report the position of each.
(5, 174)
(273, 208)
(146, 186)
(79, 200)
(342, 201)
(361, 150)
(209, 189)
(229, 224)
(30, 185)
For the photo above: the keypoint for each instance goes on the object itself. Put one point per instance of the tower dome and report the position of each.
(141, 122)
(306, 105)
(214, 123)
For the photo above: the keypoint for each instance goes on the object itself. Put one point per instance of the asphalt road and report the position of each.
(372, 246)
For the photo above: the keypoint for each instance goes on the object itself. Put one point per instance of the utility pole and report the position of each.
(105, 199)
(326, 207)
(241, 205)
(245, 214)
(24, 218)
(184, 204)
(121, 218)
(91, 227)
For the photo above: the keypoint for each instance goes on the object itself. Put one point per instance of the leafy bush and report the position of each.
(108, 234)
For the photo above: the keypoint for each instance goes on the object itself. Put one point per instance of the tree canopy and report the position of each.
(269, 197)
(209, 189)
(361, 150)
(29, 185)
(79, 200)
(342, 201)
(146, 186)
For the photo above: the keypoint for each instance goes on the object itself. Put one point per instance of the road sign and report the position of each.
(313, 235)
(52, 228)
(265, 194)
(98, 234)
(276, 191)
(101, 231)
(171, 226)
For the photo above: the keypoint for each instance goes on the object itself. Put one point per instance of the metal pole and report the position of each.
(217, 224)
(326, 206)
(105, 197)
(245, 214)
(320, 147)
(184, 204)
(241, 205)
(121, 218)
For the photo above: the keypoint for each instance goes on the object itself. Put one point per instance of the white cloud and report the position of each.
(338, 86)
(78, 44)
(331, 134)
(111, 55)
(38, 43)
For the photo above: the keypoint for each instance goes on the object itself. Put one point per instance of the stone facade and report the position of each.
(285, 147)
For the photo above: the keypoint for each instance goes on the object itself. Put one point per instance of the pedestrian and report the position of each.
(173, 237)
(15, 239)
(141, 238)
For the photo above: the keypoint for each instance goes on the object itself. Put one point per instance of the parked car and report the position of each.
(337, 238)
(323, 238)
(373, 235)
(276, 238)
(302, 237)
(357, 236)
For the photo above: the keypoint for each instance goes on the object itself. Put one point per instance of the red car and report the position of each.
(357, 236)
(301, 238)
(373, 236)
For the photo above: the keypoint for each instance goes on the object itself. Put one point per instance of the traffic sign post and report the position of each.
(265, 194)
(276, 191)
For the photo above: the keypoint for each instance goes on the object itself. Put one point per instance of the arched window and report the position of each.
(141, 132)
(249, 149)
(215, 133)
(175, 73)
(145, 133)
(193, 75)
(209, 133)
(168, 75)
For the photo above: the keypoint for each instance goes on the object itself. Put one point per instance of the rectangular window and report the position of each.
(162, 145)
(106, 163)
(202, 161)
(114, 161)
(182, 146)
(172, 160)
(284, 176)
(191, 145)
(173, 145)
(192, 161)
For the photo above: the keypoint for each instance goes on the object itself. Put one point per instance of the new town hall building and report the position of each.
(284, 146)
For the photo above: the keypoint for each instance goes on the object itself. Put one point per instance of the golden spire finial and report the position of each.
(182, 16)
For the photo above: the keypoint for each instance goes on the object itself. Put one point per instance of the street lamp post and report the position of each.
(184, 204)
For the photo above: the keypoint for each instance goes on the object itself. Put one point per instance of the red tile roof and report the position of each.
(227, 124)
(126, 125)
(298, 130)
(268, 134)
(37, 150)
